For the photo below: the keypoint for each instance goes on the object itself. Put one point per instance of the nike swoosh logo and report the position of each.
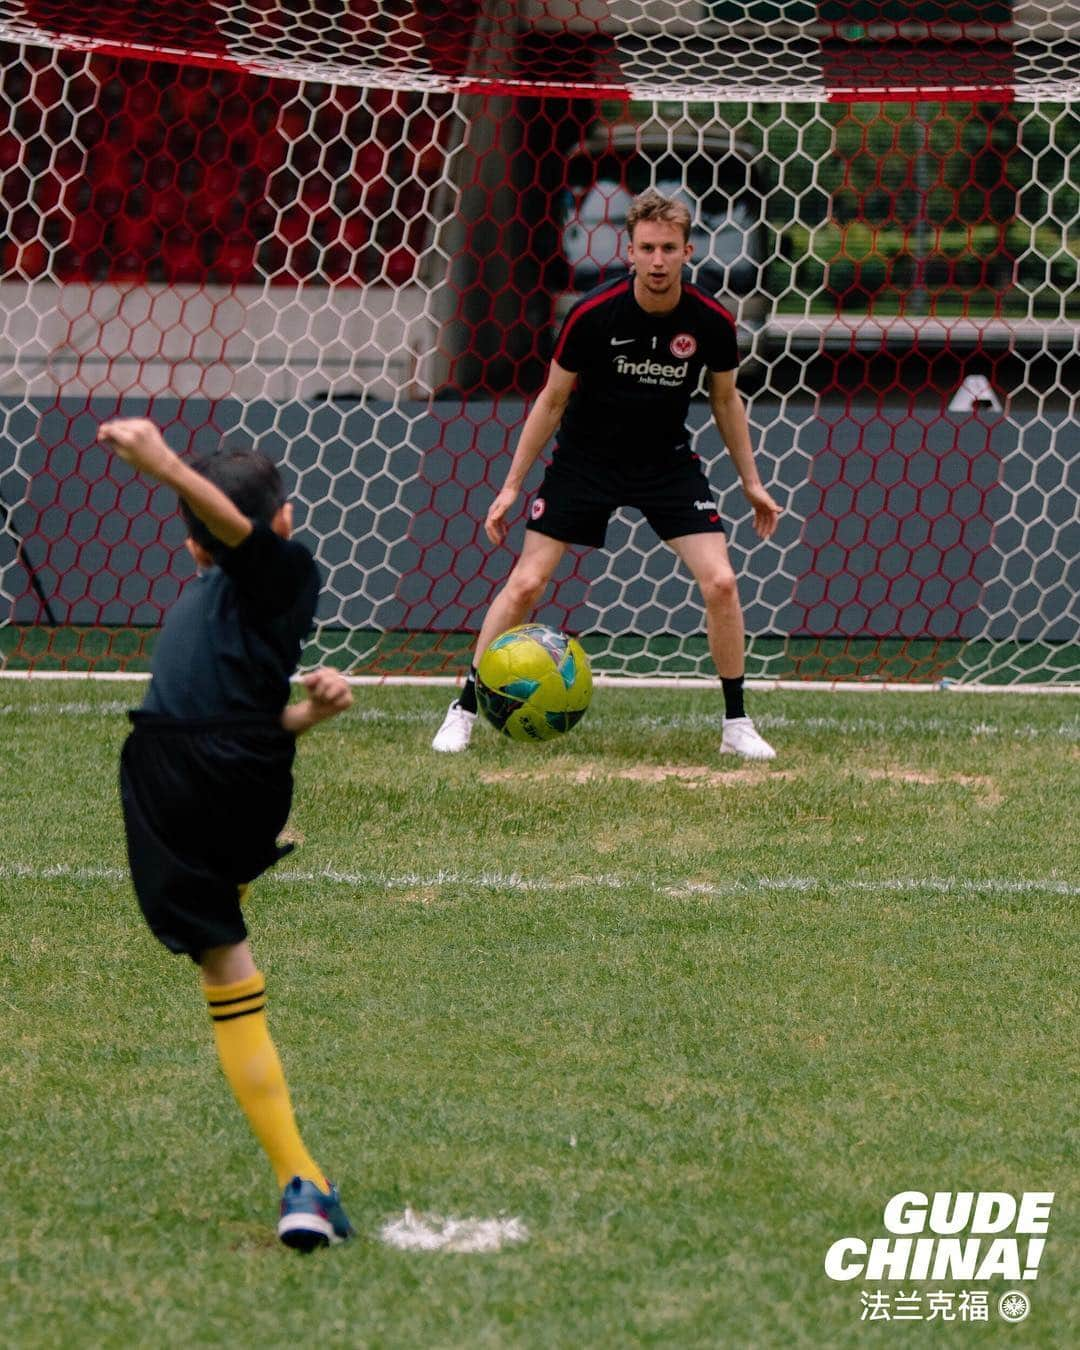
(621, 342)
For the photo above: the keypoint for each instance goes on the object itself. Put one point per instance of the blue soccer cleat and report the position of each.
(310, 1218)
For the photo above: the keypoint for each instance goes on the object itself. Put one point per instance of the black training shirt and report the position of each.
(637, 371)
(233, 638)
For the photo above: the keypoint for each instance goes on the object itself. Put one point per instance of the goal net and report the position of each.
(345, 232)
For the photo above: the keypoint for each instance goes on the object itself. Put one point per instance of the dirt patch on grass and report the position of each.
(690, 775)
(985, 789)
(418, 895)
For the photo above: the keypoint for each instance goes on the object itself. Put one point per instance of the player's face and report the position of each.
(657, 254)
(282, 522)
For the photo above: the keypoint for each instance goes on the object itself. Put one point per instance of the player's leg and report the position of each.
(706, 555)
(311, 1213)
(515, 602)
(178, 831)
(523, 589)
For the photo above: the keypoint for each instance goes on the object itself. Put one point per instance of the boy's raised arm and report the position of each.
(139, 442)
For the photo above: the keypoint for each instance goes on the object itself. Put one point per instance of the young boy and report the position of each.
(206, 773)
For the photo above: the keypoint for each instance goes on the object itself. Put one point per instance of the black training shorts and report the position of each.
(578, 496)
(203, 805)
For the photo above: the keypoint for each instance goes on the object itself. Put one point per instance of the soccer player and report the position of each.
(626, 362)
(206, 772)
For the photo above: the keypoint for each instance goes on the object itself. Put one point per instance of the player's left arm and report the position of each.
(729, 414)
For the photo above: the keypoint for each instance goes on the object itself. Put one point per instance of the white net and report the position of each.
(346, 233)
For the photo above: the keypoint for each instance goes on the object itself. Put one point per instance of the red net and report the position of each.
(360, 266)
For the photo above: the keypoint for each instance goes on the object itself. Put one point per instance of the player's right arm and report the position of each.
(540, 425)
(139, 442)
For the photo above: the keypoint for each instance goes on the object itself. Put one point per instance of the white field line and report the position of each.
(107, 708)
(672, 887)
(418, 1232)
(914, 728)
(629, 682)
(90, 676)
(694, 682)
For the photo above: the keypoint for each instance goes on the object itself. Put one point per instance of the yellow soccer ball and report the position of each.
(533, 683)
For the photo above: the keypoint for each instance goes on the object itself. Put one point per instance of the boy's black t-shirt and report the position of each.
(637, 371)
(232, 640)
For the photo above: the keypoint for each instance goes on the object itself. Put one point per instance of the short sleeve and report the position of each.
(572, 345)
(721, 347)
(270, 573)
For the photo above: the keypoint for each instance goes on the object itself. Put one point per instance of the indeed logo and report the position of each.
(627, 367)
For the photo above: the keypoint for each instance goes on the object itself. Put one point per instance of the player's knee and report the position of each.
(226, 965)
(526, 587)
(720, 589)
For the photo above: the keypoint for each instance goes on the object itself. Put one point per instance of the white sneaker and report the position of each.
(741, 738)
(456, 731)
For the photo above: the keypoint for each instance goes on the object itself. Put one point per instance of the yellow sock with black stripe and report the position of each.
(250, 1062)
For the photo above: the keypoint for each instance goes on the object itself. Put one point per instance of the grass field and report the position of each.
(691, 1022)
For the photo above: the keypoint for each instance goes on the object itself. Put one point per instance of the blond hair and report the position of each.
(652, 205)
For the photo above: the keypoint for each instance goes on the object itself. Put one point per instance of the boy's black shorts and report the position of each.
(203, 802)
(578, 496)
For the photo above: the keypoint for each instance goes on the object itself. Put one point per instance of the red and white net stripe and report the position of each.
(772, 50)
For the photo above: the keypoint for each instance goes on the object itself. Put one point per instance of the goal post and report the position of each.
(346, 233)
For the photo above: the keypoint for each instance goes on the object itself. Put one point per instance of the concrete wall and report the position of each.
(949, 525)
